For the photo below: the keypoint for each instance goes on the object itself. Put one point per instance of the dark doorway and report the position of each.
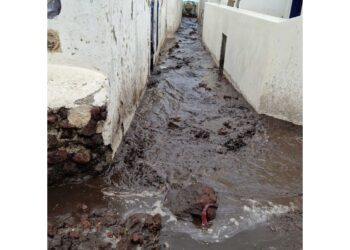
(296, 8)
(152, 35)
(222, 55)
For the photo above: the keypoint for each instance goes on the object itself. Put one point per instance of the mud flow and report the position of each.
(190, 127)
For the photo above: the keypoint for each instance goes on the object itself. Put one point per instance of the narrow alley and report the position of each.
(190, 127)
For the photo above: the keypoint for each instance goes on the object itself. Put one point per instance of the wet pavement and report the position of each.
(191, 127)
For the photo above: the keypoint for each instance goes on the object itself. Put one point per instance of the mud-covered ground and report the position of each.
(190, 127)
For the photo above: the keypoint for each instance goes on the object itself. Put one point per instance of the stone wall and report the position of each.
(75, 143)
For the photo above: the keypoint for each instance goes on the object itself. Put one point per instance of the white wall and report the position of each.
(174, 14)
(201, 6)
(278, 8)
(112, 37)
(263, 57)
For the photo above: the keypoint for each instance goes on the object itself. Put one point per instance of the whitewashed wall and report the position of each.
(201, 6)
(174, 14)
(263, 57)
(278, 8)
(113, 38)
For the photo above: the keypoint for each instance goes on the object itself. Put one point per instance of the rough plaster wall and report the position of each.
(263, 58)
(174, 15)
(112, 37)
(282, 91)
(278, 8)
(201, 6)
(129, 23)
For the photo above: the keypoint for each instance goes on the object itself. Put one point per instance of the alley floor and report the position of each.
(191, 127)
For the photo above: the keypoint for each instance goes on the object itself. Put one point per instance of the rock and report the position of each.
(57, 156)
(222, 131)
(63, 113)
(137, 238)
(79, 117)
(96, 113)
(70, 168)
(221, 150)
(141, 229)
(83, 156)
(234, 144)
(52, 141)
(173, 125)
(89, 129)
(65, 124)
(51, 118)
(196, 201)
(74, 234)
(202, 134)
(51, 230)
(227, 124)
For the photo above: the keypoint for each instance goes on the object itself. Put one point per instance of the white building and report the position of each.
(103, 51)
(258, 46)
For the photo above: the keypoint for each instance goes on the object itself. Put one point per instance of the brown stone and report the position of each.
(89, 129)
(63, 113)
(70, 168)
(154, 223)
(65, 124)
(74, 235)
(222, 131)
(51, 118)
(95, 113)
(189, 202)
(51, 230)
(82, 157)
(52, 141)
(137, 238)
(57, 156)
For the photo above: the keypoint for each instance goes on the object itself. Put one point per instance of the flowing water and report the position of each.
(191, 127)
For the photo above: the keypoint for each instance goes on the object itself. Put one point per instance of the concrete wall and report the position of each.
(278, 8)
(201, 6)
(174, 14)
(263, 57)
(113, 38)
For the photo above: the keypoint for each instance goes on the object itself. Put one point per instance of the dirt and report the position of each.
(193, 128)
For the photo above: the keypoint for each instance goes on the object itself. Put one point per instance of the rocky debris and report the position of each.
(227, 124)
(196, 202)
(202, 134)
(75, 150)
(173, 125)
(140, 229)
(97, 229)
(79, 116)
(89, 129)
(223, 131)
(82, 157)
(204, 86)
(51, 118)
(234, 144)
(57, 156)
(221, 150)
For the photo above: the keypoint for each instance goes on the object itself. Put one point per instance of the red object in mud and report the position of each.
(204, 214)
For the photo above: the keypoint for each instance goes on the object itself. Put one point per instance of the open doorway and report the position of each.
(222, 56)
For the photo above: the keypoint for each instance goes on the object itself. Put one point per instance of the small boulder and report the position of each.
(196, 201)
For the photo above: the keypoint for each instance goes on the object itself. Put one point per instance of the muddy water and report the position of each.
(191, 127)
